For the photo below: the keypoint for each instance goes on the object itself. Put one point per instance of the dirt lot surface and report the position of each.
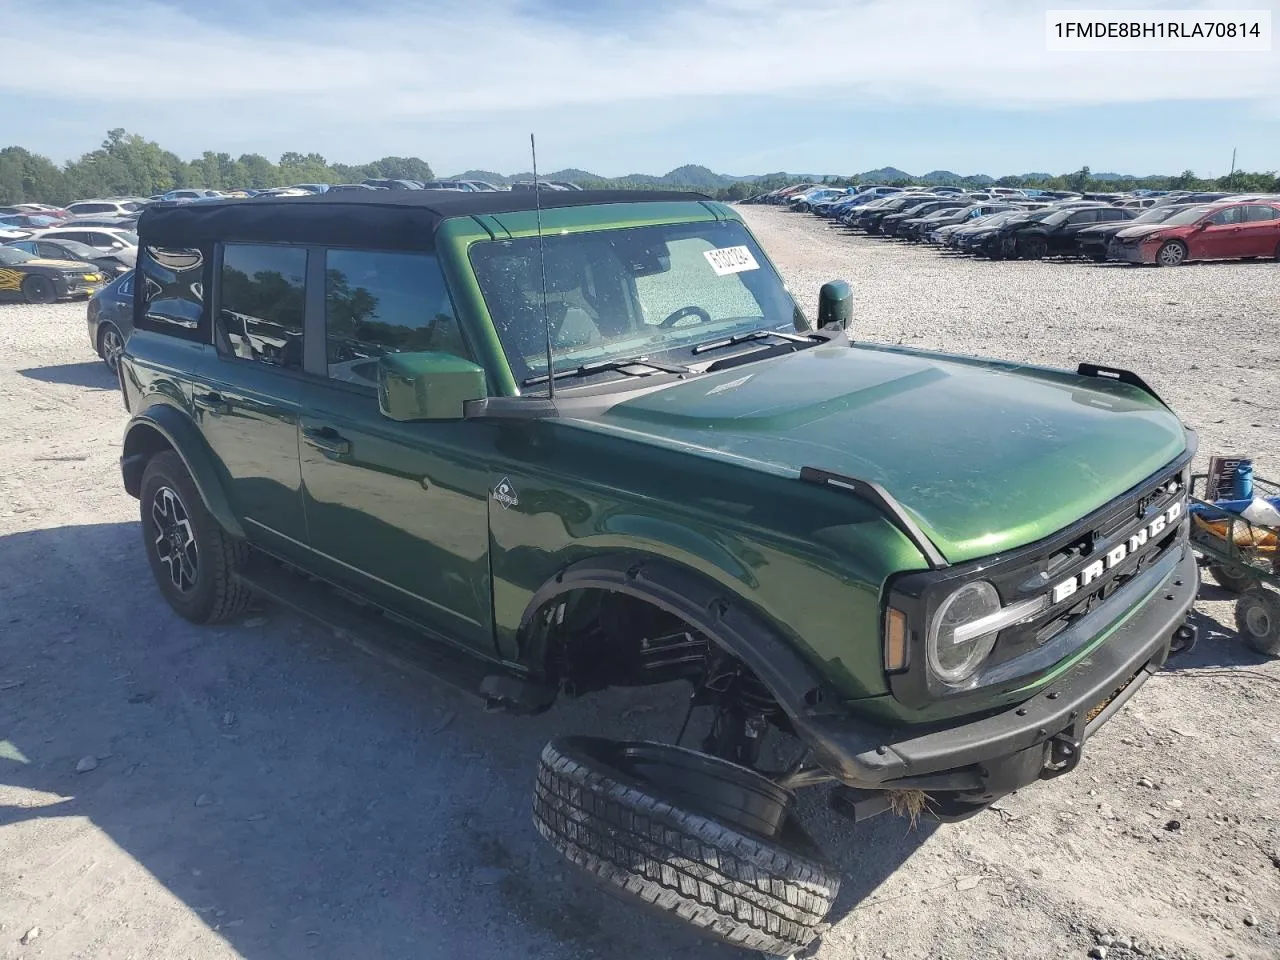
(263, 790)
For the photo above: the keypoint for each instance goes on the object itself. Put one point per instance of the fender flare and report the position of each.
(713, 609)
(162, 426)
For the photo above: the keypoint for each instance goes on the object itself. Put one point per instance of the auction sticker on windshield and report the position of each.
(727, 260)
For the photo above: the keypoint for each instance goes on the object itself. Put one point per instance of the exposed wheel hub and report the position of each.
(1258, 621)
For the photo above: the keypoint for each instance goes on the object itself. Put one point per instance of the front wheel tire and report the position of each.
(700, 839)
(192, 558)
(1171, 254)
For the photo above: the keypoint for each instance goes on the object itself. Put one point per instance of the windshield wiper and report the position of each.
(626, 365)
(756, 335)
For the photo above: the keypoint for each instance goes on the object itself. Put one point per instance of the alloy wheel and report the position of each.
(112, 347)
(1171, 255)
(174, 539)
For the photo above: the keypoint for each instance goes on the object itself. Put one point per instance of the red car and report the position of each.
(1226, 230)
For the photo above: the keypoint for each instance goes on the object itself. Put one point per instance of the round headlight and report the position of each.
(955, 651)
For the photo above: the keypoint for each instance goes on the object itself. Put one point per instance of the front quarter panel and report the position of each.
(810, 560)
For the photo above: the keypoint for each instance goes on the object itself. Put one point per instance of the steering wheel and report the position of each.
(686, 312)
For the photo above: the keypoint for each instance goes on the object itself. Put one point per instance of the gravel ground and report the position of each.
(262, 790)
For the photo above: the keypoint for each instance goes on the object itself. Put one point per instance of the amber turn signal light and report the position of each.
(895, 640)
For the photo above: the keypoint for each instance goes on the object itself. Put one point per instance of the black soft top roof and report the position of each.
(392, 219)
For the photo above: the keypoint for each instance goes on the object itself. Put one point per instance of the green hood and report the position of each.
(985, 455)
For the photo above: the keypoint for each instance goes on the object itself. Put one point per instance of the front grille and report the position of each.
(1078, 561)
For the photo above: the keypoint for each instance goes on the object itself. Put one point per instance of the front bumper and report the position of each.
(1040, 738)
(78, 286)
(1130, 253)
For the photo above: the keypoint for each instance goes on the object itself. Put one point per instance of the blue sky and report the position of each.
(741, 86)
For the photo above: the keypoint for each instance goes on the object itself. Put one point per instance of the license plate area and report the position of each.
(1097, 711)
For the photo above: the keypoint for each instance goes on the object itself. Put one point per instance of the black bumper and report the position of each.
(1037, 739)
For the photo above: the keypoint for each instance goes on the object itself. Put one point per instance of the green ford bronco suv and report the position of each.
(597, 444)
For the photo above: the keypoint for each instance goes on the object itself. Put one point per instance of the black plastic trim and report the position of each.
(883, 499)
(709, 608)
(861, 755)
(1017, 575)
(1120, 376)
(511, 408)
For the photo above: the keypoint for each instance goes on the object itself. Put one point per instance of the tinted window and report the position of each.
(26, 246)
(1226, 216)
(92, 208)
(173, 302)
(1115, 214)
(1083, 216)
(1254, 214)
(261, 302)
(378, 303)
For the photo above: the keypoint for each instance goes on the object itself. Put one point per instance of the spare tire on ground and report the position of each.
(701, 839)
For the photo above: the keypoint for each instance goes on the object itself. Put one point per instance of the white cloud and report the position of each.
(408, 61)
(398, 62)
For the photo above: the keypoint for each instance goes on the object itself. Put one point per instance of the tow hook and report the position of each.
(1184, 640)
(1062, 754)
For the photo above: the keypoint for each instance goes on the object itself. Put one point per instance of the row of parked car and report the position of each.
(1165, 228)
(45, 250)
(52, 253)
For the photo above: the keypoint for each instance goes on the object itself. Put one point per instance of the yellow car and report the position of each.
(37, 280)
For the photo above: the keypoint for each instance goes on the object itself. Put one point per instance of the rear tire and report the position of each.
(192, 558)
(39, 290)
(110, 345)
(1171, 254)
(631, 815)
(1258, 620)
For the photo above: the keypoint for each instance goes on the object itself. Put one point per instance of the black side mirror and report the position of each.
(835, 305)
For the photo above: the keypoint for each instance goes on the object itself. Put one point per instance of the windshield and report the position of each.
(641, 291)
(10, 256)
(995, 219)
(78, 249)
(1187, 215)
(1155, 215)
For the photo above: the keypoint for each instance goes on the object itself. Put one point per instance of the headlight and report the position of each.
(955, 649)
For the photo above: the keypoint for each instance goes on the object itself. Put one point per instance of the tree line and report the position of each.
(127, 164)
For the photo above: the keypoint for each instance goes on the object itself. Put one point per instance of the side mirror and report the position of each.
(427, 386)
(835, 305)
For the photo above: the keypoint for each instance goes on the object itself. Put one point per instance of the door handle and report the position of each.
(211, 402)
(328, 441)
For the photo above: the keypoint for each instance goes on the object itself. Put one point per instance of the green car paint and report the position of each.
(999, 457)
(702, 472)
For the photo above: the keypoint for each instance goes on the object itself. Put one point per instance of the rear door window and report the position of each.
(261, 302)
(173, 292)
(1226, 216)
(1260, 213)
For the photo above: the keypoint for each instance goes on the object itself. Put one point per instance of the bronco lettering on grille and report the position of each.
(1116, 555)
